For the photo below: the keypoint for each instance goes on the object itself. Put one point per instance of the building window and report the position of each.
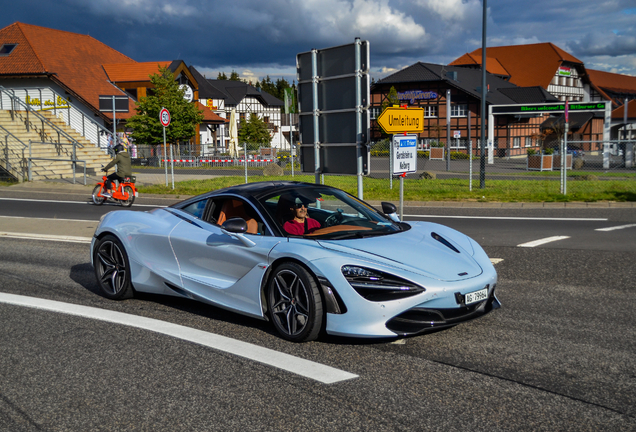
(374, 112)
(430, 111)
(7, 49)
(516, 142)
(458, 110)
(528, 141)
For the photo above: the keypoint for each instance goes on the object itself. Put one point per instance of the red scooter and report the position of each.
(123, 192)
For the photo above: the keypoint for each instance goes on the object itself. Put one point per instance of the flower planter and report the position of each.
(540, 163)
(436, 153)
(557, 162)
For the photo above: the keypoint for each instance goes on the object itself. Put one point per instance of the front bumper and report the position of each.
(421, 320)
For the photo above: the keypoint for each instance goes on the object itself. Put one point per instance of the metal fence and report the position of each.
(507, 163)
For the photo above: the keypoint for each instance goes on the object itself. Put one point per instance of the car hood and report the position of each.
(447, 258)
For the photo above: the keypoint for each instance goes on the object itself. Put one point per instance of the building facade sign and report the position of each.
(565, 71)
(59, 102)
(413, 95)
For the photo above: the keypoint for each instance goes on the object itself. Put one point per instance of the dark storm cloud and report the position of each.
(263, 37)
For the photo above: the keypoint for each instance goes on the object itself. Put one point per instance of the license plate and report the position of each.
(476, 296)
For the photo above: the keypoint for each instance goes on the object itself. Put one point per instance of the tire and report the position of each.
(295, 305)
(112, 268)
(98, 200)
(131, 197)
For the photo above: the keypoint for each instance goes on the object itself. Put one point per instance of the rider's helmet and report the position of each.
(118, 148)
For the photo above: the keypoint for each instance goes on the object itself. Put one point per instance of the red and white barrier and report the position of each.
(217, 160)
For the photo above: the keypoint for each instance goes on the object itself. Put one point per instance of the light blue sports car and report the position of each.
(307, 257)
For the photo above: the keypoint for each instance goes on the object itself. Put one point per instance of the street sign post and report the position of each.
(397, 120)
(164, 118)
(333, 102)
(404, 160)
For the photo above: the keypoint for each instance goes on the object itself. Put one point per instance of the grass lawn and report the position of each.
(578, 189)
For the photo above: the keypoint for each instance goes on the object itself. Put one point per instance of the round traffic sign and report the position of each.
(164, 117)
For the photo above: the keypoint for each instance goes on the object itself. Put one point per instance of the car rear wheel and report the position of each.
(295, 305)
(112, 268)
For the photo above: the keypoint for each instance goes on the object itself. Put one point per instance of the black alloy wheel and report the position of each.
(112, 268)
(295, 305)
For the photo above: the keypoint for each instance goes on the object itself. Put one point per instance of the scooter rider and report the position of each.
(124, 168)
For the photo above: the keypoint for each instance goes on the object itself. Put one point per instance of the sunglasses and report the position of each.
(300, 205)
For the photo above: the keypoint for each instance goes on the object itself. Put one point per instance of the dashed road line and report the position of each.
(306, 368)
(74, 202)
(615, 227)
(46, 237)
(510, 218)
(543, 241)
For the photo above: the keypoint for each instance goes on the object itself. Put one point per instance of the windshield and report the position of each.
(326, 213)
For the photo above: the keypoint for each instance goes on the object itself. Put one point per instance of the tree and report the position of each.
(268, 86)
(221, 76)
(391, 99)
(254, 133)
(234, 76)
(184, 115)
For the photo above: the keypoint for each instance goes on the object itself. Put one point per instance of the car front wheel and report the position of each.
(295, 305)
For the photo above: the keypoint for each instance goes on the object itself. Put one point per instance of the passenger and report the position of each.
(300, 224)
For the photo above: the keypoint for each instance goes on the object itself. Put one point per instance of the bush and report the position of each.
(532, 152)
(459, 155)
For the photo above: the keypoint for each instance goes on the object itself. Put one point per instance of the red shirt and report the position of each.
(297, 228)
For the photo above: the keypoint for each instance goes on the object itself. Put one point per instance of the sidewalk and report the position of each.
(66, 186)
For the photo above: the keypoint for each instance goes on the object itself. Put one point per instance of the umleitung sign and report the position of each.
(397, 120)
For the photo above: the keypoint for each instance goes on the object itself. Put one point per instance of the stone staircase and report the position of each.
(45, 145)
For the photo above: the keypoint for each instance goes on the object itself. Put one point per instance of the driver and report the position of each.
(124, 168)
(300, 224)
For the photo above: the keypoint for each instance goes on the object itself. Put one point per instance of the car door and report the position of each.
(218, 267)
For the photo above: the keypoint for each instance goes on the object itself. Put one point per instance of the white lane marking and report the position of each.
(496, 260)
(56, 219)
(306, 368)
(47, 237)
(74, 202)
(615, 227)
(543, 241)
(510, 218)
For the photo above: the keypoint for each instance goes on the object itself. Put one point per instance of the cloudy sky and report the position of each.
(262, 37)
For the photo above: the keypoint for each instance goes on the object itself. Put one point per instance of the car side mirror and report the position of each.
(235, 225)
(390, 210)
(235, 228)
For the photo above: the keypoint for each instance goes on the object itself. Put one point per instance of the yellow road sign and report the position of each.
(397, 120)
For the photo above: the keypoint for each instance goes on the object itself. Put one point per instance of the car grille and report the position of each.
(421, 320)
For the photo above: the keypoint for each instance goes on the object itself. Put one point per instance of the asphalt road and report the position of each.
(559, 354)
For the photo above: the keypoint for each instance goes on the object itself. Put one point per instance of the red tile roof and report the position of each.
(73, 60)
(612, 81)
(619, 113)
(492, 64)
(133, 72)
(211, 116)
(528, 65)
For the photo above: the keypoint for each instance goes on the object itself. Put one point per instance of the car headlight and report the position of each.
(378, 286)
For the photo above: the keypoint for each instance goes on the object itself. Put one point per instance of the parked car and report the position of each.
(576, 152)
(355, 271)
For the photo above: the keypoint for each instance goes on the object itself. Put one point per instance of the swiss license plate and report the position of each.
(476, 296)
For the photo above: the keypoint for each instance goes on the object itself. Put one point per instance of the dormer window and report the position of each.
(7, 49)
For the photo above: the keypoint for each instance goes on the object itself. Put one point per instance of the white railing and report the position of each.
(46, 99)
